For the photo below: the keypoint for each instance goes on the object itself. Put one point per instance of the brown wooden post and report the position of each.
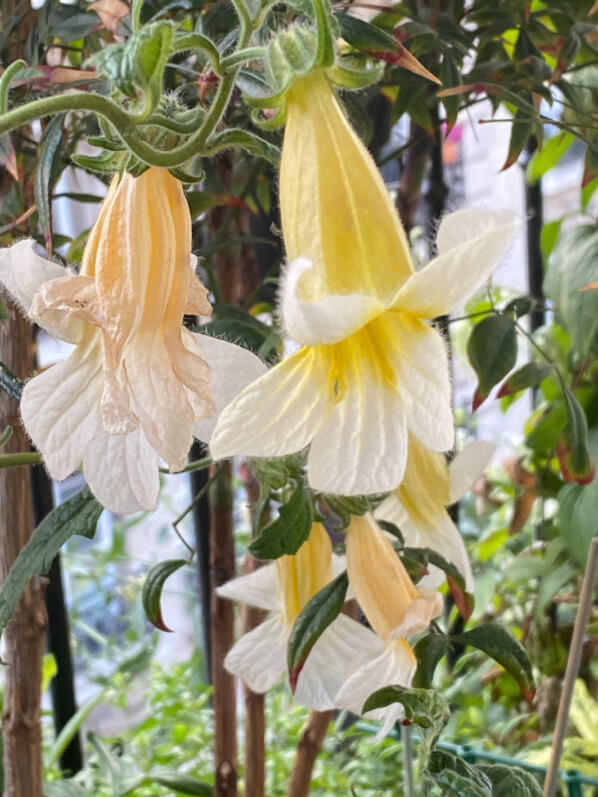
(222, 619)
(25, 636)
(308, 749)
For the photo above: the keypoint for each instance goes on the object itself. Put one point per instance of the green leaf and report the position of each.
(519, 306)
(456, 582)
(509, 781)
(179, 782)
(151, 594)
(68, 732)
(63, 788)
(429, 650)
(572, 444)
(424, 707)
(549, 237)
(78, 515)
(10, 383)
(521, 130)
(529, 375)
(312, 621)
(550, 583)
(578, 509)
(200, 201)
(289, 531)
(501, 645)
(456, 777)
(365, 36)
(48, 147)
(492, 352)
(546, 158)
(572, 266)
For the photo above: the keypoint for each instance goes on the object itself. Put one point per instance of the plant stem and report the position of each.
(20, 458)
(308, 749)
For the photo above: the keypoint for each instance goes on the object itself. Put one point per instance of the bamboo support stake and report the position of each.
(308, 749)
(581, 621)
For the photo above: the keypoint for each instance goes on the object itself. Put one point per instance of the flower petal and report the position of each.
(422, 374)
(396, 664)
(260, 656)
(420, 613)
(197, 297)
(361, 444)
(467, 467)
(277, 414)
(258, 588)
(326, 320)
(344, 647)
(60, 408)
(231, 369)
(22, 271)
(63, 305)
(122, 471)
(471, 244)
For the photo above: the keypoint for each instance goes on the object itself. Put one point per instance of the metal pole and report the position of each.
(573, 662)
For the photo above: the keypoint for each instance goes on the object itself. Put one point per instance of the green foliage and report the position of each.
(312, 621)
(289, 531)
(152, 590)
(492, 352)
(78, 515)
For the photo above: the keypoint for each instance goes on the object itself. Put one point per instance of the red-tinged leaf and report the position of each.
(492, 352)
(464, 88)
(8, 156)
(520, 132)
(478, 399)
(110, 12)
(151, 593)
(464, 601)
(529, 375)
(590, 169)
(572, 445)
(312, 621)
(403, 58)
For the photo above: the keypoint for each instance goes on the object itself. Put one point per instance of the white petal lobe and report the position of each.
(22, 271)
(258, 588)
(467, 467)
(260, 656)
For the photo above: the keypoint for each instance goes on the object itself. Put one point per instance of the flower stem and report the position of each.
(22, 458)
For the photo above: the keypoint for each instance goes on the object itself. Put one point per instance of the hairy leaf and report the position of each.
(48, 147)
(509, 781)
(289, 531)
(78, 515)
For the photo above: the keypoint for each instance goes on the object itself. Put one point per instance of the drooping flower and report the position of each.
(394, 607)
(283, 588)
(418, 506)
(137, 385)
(370, 368)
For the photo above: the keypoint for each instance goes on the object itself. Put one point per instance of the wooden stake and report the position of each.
(25, 635)
(586, 599)
(308, 749)
(222, 619)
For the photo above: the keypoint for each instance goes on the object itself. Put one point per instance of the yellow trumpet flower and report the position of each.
(283, 588)
(137, 385)
(394, 607)
(370, 368)
(418, 506)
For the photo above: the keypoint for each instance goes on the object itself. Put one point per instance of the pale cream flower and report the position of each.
(137, 385)
(370, 368)
(418, 506)
(394, 607)
(283, 588)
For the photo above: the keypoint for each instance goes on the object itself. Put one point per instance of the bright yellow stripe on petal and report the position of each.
(302, 575)
(379, 580)
(335, 208)
(424, 491)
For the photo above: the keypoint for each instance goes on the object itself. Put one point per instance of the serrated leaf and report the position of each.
(546, 158)
(429, 650)
(510, 781)
(49, 144)
(456, 777)
(424, 707)
(529, 375)
(79, 515)
(365, 36)
(289, 531)
(492, 352)
(312, 621)
(498, 643)
(151, 594)
(572, 444)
